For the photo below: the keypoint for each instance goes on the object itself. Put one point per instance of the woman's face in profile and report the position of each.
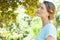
(42, 11)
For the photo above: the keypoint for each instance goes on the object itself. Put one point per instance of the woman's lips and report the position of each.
(38, 15)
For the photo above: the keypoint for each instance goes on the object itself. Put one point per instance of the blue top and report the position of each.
(47, 30)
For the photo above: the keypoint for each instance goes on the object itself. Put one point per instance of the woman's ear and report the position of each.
(51, 11)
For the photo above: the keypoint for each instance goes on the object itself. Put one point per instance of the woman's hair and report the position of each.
(50, 8)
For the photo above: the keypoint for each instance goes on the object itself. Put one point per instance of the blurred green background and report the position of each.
(18, 20)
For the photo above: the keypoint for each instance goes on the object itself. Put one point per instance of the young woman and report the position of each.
(46, 12)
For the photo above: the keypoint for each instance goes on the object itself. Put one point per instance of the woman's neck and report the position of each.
(45, 21)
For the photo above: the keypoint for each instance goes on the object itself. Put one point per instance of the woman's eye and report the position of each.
(41, 7)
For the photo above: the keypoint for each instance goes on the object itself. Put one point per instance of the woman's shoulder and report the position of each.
(50, 30)
(50, 26)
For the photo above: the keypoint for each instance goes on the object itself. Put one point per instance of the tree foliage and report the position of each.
(7, 8)
(31, 7)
